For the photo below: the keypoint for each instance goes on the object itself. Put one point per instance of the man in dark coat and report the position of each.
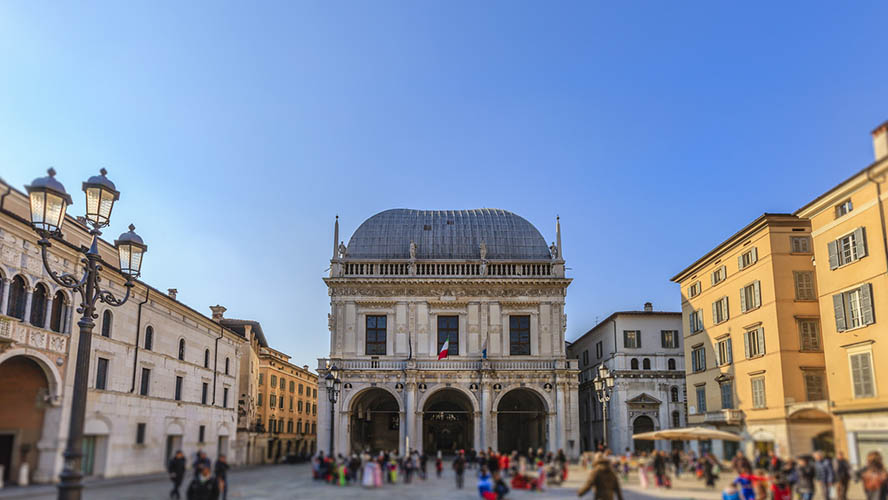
(221, 472)
(459, 466)
(204, 486)
(176, 468)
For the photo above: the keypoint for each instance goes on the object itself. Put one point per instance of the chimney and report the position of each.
(218, 311)
(880, 141)
(305, 367)
(648, 307)
(172, 293)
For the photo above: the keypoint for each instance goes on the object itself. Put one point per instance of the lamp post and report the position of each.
(333, 384)
(604, 384)
(48, 202)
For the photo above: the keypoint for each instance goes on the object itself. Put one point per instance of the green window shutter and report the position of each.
(715, 312)
(743, 305)
(730, 351)
(860, 242)
(839, 308)
(757, 299)
(755, 255)
(833, 247)
(761, 340)
(625, 338)
(746, 343)
(740, 261)
(866, 304)
(727, 308)
(712, 277)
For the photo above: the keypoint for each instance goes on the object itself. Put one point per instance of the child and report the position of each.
(730, 493)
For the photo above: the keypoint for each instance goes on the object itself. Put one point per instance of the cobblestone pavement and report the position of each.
(279, 482)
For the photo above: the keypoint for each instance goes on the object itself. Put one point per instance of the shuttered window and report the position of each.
(701, 399)
(694, 289)
(758, 392)
(719, 275)
(698, 359)
(848, 248)
(854, 308)
(632, 339)
(815, 385)
(695, 321)
(751, 296)
(720, 312)
(725, 354)
(727, 395)
(754, 341)
(800, 244)
(804, 285)
(862, 375)
(747, 258)
(809, 335)
(669, 339)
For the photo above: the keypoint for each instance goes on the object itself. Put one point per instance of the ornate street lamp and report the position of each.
(333, 384)
(49, 202)
(604, 385)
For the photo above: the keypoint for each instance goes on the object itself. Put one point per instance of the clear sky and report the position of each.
(236, 131)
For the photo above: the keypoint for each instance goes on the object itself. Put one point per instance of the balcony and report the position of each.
(449, 269)
(14, 331)
(723, 417)
(451, 364)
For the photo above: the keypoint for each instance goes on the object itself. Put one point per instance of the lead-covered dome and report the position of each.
(447, 234)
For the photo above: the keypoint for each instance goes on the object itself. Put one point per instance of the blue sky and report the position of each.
(236, 131)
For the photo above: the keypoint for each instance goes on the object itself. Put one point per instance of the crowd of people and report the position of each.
(496, 473)
(210, 482)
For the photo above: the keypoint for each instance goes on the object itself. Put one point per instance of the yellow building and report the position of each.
(753, 351)
(851, 252)
(286, 405)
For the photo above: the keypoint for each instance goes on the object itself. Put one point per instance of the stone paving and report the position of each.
(279, 482)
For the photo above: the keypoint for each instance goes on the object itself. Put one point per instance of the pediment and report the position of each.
(643, 399)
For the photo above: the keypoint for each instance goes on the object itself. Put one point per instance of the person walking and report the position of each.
(459, 467)
(806, 476)
(439, 464)
(176, 468)
(843, 476)
(603, 478)
(709, 469)
(826, 474)
(203, 486)
(874, 477)
(221, 472)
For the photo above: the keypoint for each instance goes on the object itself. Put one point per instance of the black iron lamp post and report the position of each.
(49, 201)
(333, 384)
(604, 385)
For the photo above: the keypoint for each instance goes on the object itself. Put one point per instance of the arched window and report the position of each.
(671, 364)
(57, 315)
(38, 305)
(206, 358)
(106, 323)
(17, 298)
(149, 338)
(226, 366)
(673, 394)
(182, 349)
(676, 419)
(633, 364)
(646, 364)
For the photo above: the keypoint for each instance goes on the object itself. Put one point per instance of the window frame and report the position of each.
(756, 348)
(695, 289)
(807, 376)
(844, 208)
(695, 321)
(107, 323)
(519, 336)
(180, 382)
(722, 387)
(635, 335)
(810, 287)
(102, 373)
(725, 351)
(664, 334)
(698, 359)
(759, 397)
(145, 382)
(700, 392)
(719, 274)
(148, 341)
(798, 239)
(874, 392)
(378, 346)
(451, 330)
(721, 311)
(804, 346)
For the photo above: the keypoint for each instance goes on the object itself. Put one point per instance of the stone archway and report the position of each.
(374, 422)
(641, 424)
(447, 422)
(521, 421)
(24, 397)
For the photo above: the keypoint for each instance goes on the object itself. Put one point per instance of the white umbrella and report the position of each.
(688, 434)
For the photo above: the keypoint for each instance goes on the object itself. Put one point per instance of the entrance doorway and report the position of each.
(375, 421)
(22, 406)
(447, 423)
(642, 424)
(521, 421)
(173, 444)
(222, 446)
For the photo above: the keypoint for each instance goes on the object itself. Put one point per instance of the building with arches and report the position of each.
(643, 350)
(485, 283)
(144, 399)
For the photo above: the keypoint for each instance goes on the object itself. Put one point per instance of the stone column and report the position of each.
(485, 416)
(492, 439)
(69, 312)
(47, 313)
(418, 430)
(410, 413)
(477, 418)
(28, 296)
(323, 435)
(402, 432)
(4, 298)
(551, 431)
(560, 429)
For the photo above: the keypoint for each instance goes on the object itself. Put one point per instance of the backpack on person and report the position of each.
(874, 480)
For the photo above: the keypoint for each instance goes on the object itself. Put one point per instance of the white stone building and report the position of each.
(486, 282)
(162, 375)
(643, 350)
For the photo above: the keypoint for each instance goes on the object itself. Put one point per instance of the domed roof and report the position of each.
(447, 234)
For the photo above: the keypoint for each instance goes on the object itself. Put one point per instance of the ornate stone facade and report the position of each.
(485, 280)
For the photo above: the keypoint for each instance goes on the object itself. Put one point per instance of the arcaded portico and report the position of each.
(485, 282)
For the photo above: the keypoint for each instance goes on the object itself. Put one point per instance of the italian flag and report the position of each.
(443, 353)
